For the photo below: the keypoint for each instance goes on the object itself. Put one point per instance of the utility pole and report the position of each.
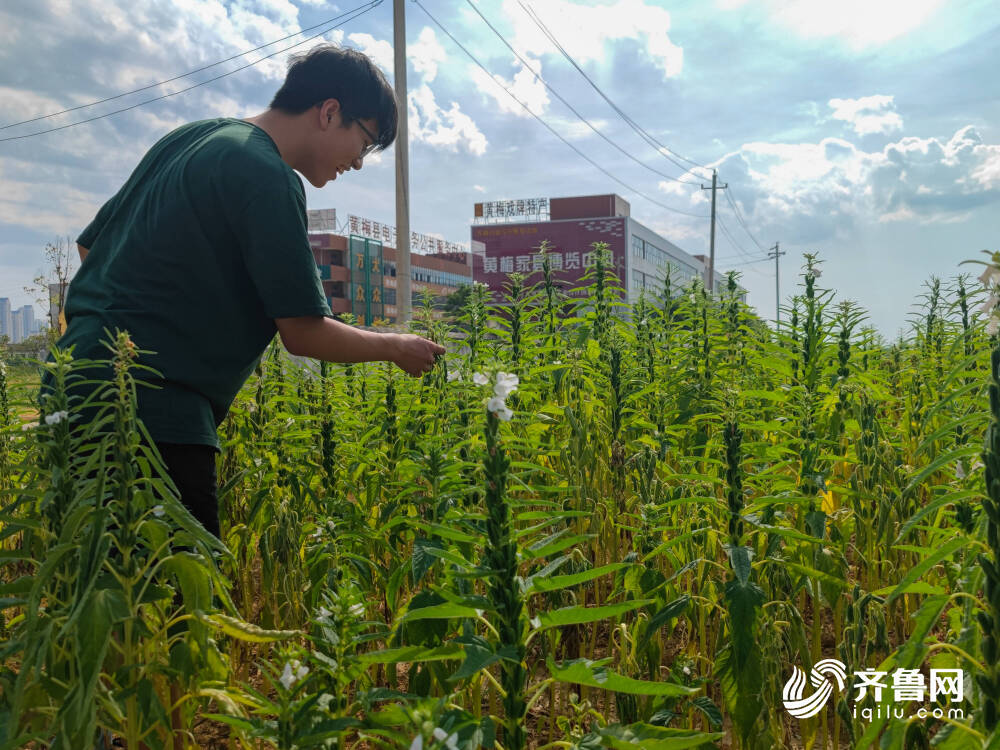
(404, 308)
(711, 251)
(775, 253)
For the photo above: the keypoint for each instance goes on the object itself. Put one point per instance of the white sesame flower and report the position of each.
(993, 325)
(990, 276)
(357, 609)
(454, 375)
(959, 470)
(479, 379)
(691, 297)
(418, 743)
(28, 425)
(158, 511)
(440, 734)
(816, 273)
(557, 361)
(322, 612)
(301, 671)
(687, 670)
(506, 384)
(989, 304)
(536, 622)
(287, 676)
(56, 417)
(499, 409)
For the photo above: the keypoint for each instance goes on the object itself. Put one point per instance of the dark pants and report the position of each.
(192, 467)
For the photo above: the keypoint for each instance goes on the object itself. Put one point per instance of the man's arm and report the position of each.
(83, 251)
(333, 341)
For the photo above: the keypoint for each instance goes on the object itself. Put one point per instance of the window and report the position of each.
(638, 247)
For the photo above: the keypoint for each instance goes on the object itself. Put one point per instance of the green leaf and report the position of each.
(244, 631)
(412, 654)
(816, 575)
(739, 558)
(326, 730)
(740, 689)
(578, 615)
(949, 499)
(444, 611)
(533, 553)
(939, 462)
(926, 564)
(422, 560)
(917, 587)
(661, 618)
(649, 737)
(539, 584)
(705, 704)
(595, 674)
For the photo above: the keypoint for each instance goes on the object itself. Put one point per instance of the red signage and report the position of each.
(514, 248)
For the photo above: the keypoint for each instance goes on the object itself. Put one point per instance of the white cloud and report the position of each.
(860, 23)
(49, 206)
(479, 188)
(586, 31)
(868, 114)
(829, 186)
(450, 128)
(378, 50)
(574, 130)
(525, 86)
(426, 53)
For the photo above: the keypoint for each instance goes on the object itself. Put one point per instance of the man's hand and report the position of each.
(328, 339)
(415, 355)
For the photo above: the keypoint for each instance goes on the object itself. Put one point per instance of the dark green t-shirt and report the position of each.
(195, 256)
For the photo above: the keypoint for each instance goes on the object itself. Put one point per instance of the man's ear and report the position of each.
(329, 110)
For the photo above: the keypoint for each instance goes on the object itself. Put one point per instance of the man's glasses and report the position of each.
(371, 146)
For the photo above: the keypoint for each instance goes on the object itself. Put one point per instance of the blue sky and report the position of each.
(864, 130)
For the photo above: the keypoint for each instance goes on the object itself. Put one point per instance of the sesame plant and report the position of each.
(594, 524)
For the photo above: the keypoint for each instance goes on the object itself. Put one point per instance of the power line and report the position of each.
(547, 126)
(175, 78)
(659, 147)
(743, 223)
(580, 117)
(732, 240)
(357, 12)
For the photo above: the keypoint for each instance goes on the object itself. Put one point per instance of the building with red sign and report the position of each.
(359, 275)
(508, 234)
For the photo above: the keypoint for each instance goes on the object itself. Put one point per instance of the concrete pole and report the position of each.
(404, 308)
(710, 282)
(775, 253)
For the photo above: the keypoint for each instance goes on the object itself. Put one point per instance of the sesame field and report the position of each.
(666, 525)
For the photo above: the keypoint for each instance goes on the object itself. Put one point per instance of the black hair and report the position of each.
(347, 75)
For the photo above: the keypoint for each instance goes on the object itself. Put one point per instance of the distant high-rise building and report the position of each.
(5, 321)
(16, 331)
(27, 321)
